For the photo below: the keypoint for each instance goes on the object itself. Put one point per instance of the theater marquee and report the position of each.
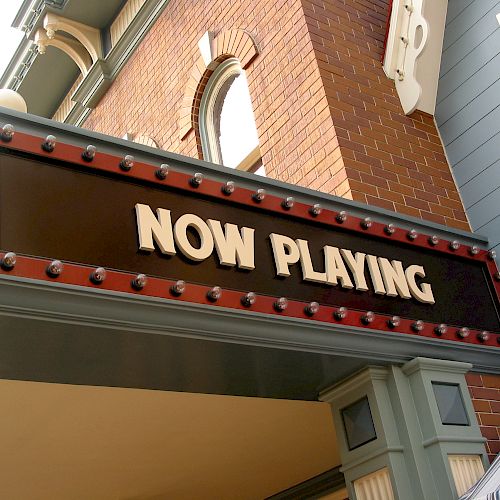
(153, 230)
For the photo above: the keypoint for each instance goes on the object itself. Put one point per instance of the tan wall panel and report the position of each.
(374, 486)
(466, 470)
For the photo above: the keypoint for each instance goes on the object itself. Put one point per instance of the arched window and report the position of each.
(227, 124)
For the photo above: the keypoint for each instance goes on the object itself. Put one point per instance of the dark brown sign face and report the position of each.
(55, 210)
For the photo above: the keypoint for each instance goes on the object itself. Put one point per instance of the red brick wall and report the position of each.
(393, 161)
(327, 116)
(485, 393)
(296, 134)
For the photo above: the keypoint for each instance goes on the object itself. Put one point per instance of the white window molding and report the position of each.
(211, 107)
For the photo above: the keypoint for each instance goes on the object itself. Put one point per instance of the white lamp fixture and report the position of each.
(12, 100)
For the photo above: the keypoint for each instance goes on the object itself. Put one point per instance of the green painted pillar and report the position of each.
(397, 427)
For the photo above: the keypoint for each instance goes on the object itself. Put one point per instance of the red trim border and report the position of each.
(118, 281)
(78, 274)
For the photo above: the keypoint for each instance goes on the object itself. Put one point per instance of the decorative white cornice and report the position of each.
(87, 36)
(435, 365)
(73, 48)
(370, 456)
(353, 383)
(453, 439)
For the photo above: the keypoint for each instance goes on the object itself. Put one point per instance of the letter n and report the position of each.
(150, 228)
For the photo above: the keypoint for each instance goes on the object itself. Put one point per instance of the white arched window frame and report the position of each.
(210, 113)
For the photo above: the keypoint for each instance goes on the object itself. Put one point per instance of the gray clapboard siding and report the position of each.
(487, 207)
(468, 109)
(477, 161)
(469, 40)
(474, 137)
(470, 114)
(475, 189)
(492, 227)
(455, 7)
(473, 63)
(460, 24)
(475, 85)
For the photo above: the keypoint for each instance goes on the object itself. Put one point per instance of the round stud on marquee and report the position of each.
(127, 163)
(139, 282)
(54, 269)
(433, 240)
(89, 153)
(8, 261)
(178, 288)
(259, 195)
(366, 223)
(98, 275)
(228, 188)
(474, 250)
(440, 329)
(7, 132)
(248, 299)
(367, 318)
(288, 202)
(492, 255)
(162, 172)
(311, 309)
(497, 276)
(340, 313)
(315, 210)
(454, 245)
(394, 322)
(280, 304)
(214, 294)
(341, 217)
(390, 229)
(49, 144)
(196, 180)
(412, 234)
(417, 326)
(483, 336)
(463, 333)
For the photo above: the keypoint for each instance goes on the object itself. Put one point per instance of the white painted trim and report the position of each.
(123, 19)
(206, 47)
(209, 140)
(418, 76)
(207, 117)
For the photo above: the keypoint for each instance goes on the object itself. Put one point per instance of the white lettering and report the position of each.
(308, 272)
(233, 246)
(424, 293)
(150, 228)
(357, 266)
(378, 284)
(181, 237)
(394, 278)
(335, 268)
(285, 251)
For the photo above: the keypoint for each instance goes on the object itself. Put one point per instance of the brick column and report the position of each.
(485, 394)
(391, 160)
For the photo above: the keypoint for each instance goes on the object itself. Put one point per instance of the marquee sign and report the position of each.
(93, 219)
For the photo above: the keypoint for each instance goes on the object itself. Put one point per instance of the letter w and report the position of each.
(233, 246)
